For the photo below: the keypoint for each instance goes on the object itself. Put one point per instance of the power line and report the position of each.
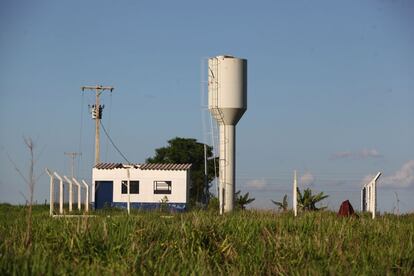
(331, 174)
(316, 179)
(271, 189)
(109, 125)
(113, 144)
(80, 133)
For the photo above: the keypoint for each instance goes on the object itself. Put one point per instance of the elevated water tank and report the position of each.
(227, 102)
(227, 91)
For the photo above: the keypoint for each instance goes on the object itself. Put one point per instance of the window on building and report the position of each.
(133, 187)
(162, 187)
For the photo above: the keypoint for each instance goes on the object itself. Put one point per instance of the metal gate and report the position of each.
(103, 194)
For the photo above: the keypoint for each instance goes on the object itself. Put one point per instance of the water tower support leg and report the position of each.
(230, 145)
(222, 165)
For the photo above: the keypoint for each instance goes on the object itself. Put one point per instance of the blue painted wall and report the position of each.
(173, 207)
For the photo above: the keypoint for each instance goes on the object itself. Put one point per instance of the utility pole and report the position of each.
(96, 111)
(73, 155)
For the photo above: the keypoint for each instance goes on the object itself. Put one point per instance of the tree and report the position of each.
(31, 182)
(283, 205)
(242, 200)
(188, 150)
(308, 202)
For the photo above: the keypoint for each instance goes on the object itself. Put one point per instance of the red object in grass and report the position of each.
(346, 209)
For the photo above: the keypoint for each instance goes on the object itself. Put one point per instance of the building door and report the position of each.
(103, 194)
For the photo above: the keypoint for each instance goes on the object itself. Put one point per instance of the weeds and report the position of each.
(201, 242)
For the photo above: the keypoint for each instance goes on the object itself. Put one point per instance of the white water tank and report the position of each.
(227, 97)
(227, 102)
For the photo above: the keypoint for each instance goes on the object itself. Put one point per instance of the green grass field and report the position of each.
(205, 243)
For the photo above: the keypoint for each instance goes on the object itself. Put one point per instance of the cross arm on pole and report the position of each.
(97, 88)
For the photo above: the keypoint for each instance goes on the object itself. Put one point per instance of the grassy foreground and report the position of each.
(204, 243)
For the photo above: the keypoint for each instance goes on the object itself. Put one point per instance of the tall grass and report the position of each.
(200, 242)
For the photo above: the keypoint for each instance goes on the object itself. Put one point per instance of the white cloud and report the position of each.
(366, 153)
(362, 154)
(341, 155)
(257, 184)
(307, 179)
(402, 178)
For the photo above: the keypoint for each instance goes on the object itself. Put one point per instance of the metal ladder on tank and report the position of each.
(214, 84)
(218, 114)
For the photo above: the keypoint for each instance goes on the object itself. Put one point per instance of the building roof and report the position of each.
(109, 166)
(165, 166)
(147, 166)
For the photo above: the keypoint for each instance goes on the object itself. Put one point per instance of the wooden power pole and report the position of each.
(96, 111)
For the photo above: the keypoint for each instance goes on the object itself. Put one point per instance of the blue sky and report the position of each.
(330, 88)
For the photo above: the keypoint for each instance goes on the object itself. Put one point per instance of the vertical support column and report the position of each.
(87, 195)
(60, 193)
(79, 192)
(206, 199)
(295, 195)
(222, 164)
(129, 194)
(70, 192)
(374, 199)
(51, 196)
(227, 167)
(230, 154)
(70, 196)
(79, 198)
(51, 189)
(93, 199)
(61, 197)
(369, 198)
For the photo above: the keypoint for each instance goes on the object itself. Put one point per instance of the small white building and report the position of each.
(150, 185)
